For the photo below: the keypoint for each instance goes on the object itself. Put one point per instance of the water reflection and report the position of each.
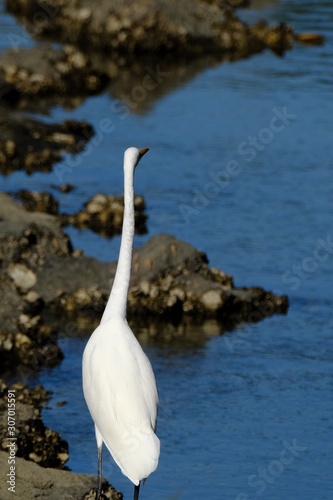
(153, 333)
(135, 83)
(224, 412)
(186, 336)
(140, 82)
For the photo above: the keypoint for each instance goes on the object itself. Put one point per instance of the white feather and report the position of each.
(124, 403)
(118, 380)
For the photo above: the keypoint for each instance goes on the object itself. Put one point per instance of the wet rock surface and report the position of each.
(40, 272)
(102, 213)
(25, 239)
(14, 219)
(38, 202)
(33, 441)
(33, 481)
(43, 71)
(40, 453)
(31, 145)
(148, 26)
(170, 279)
(100, 49)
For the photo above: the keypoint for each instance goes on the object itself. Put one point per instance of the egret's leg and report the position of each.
(99, 473)
(136, 492)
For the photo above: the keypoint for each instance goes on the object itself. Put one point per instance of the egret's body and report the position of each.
(118, 381)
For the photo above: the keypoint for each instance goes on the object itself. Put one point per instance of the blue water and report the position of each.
(245, 415)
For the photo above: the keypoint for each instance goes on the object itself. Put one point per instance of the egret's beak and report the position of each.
(143, 152)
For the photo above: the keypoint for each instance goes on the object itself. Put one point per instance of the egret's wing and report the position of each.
(120, 391)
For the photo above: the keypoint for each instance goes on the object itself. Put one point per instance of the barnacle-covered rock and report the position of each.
(33, 440)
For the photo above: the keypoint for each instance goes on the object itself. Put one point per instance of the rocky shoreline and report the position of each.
(35, 457)
(149, 26)
(41, 275)
(102, 213)
(31, 145)
(33, 481)
(98, 49)
(34, 441)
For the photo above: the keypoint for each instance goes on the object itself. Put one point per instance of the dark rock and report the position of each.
(25, 240)
(103, 214)
(37, 444)
(137, 51)
(8, 93)
(43, 71)
(66, 188)
(33, 303)
(23, 278)
(107, 493)
(33, 481)
(32, 344)
(14, 219)
(31, 145)
(34, 441)
(146, 26)
(310, 38)
(168, 277)
(170, 280)
(277, 38)
(38, 202)
(39, 234)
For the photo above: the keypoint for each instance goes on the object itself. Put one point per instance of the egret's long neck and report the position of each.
(118, 298)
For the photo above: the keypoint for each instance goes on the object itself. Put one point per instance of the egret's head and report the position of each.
(132, 156)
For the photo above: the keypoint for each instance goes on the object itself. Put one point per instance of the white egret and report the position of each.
(118, 380)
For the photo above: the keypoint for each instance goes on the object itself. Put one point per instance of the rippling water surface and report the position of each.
(248, 414)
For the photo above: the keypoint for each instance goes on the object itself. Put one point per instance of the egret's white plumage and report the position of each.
(118, 381)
